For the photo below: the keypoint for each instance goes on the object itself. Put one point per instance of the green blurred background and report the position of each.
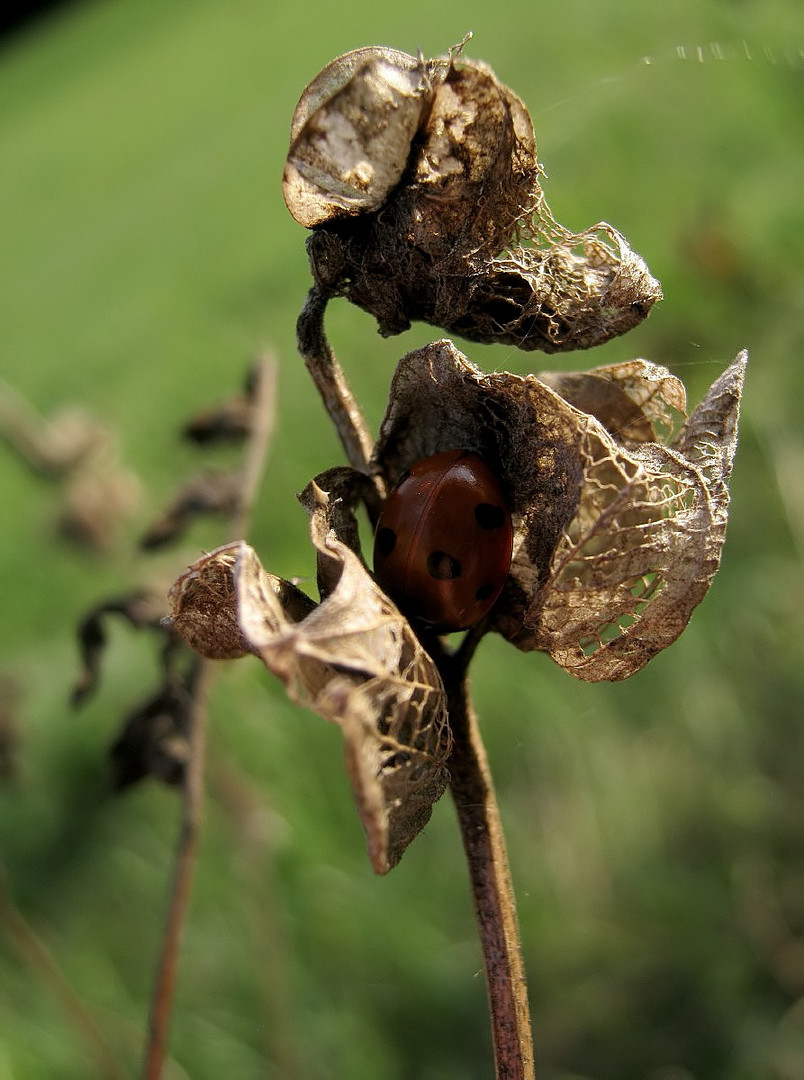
(656, 827)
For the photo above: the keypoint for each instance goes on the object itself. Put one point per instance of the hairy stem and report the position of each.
(484, 844)
(193, 788)
(330, 382)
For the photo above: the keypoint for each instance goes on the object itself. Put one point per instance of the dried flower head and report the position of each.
(619, 508)
(619, 511)
(420, 181)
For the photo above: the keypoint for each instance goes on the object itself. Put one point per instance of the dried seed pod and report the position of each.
(351, 133)
(616, 536)
(433, 210)
(203, 610)
(352, 658)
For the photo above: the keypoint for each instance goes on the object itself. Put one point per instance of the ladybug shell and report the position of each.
(443, 543)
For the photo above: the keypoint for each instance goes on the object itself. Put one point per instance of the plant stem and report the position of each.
(484, 844)
(184, 866)
(193, 788)
(330, 382)
(471, 783)
(40, 960)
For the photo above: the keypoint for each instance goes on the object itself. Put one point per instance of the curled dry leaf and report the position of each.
(154, 738)
(210, 492)
(616, 536)
(141, 609)
(353, 659)
(421, 182)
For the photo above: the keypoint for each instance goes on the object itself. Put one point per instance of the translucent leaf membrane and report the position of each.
(645, 544)
(351, 133)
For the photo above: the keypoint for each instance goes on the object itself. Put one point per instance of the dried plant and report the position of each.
(421, 187)
(420, 184)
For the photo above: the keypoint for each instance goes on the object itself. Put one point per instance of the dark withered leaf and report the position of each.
(208, 493)
(229, 422)
(154, 739)
(141, 609)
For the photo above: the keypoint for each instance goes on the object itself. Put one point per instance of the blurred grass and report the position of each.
(655, 826)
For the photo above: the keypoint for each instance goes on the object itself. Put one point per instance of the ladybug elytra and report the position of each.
(443, 543)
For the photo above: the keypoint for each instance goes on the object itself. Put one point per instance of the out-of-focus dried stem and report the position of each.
(262, 433)
(193, 788)
(183, 868)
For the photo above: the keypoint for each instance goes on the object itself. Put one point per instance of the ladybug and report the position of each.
(443, 543)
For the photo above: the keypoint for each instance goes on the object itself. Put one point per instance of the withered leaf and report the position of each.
(227, 422)
(353, 659)
(645, 544)
(141, 609)
(207, 493)
(154, 739)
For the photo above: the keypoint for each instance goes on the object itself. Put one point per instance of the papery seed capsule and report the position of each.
(351, 134)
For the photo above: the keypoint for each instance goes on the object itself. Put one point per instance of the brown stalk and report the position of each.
(193, 788)
(471, 783)
(481, 828)
(327, 374)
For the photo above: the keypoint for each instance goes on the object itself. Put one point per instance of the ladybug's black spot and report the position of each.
(385, 542)
(443, 567)
(489, 517)
(485, 591)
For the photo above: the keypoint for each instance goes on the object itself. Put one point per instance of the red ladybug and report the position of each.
(443, 543)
